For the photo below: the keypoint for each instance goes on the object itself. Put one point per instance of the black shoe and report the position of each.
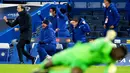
(33, 60)
(21, 63)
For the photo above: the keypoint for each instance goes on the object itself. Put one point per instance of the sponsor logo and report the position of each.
(2, 54)
(13, 15)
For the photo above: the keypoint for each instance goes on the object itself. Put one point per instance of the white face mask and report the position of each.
(51, 14)
(103, 4)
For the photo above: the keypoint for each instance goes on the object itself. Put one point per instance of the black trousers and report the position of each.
(21, 50)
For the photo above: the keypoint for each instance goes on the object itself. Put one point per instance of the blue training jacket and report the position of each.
(127, 8)
(59, 21)
(79, 32)
(113, 16)
(47, 35)
(53, 21)
(127, 5)
(62, 19)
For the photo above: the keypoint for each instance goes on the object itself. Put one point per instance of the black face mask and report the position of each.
(22, 13)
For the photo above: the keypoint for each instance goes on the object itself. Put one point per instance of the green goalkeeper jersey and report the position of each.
(97, 52)
(84, 55)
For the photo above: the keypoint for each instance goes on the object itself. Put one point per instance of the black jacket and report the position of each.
(24, 21)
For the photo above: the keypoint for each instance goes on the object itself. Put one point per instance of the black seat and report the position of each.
(94, 34)
(98, 12)
(123, 34)
(99, 28)
(124, 28)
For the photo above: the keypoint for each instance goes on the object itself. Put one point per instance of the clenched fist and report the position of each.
(5, 18)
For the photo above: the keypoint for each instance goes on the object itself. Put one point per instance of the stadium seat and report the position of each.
(89, 17)
(122, 17)
(98, 12)
(94, 34)
(96, 22)
(99, 28)
(123, 34)
(87, 12)
(122, 12)
(123, 23)
(92, 28)
(124, 28)
(4, 52)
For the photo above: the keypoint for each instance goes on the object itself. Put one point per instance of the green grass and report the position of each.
(16, 68)
(11, 68)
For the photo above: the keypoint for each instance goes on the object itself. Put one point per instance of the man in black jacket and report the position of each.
(24, 21)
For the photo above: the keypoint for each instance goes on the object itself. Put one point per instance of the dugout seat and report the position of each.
(4, 52)
(122, 34)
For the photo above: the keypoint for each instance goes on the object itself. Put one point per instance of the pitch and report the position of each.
(28, 68)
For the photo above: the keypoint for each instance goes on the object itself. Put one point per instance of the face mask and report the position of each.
(50, 14)
(103, 4)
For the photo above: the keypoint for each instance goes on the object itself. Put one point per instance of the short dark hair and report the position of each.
(109, 1)
(76, 19)
(53, 8)
(46, 22)
(23, 7)
(119, 52)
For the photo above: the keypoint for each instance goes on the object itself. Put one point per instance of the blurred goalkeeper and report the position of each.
(82, 56)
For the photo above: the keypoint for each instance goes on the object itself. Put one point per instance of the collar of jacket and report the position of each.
(22, 13)
(111, 5)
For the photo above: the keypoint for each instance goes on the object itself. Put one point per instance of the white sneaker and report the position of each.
(48, 57)
(36, 59)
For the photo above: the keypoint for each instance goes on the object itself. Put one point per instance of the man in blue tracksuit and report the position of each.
(47, 43)
(111, 16)
(59, 19)
(79, 29)
(128, 10)
(62, 18)
(62, 22)
(53, 18)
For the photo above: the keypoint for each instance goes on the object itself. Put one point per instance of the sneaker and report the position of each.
(48, 57)
(21, 63)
